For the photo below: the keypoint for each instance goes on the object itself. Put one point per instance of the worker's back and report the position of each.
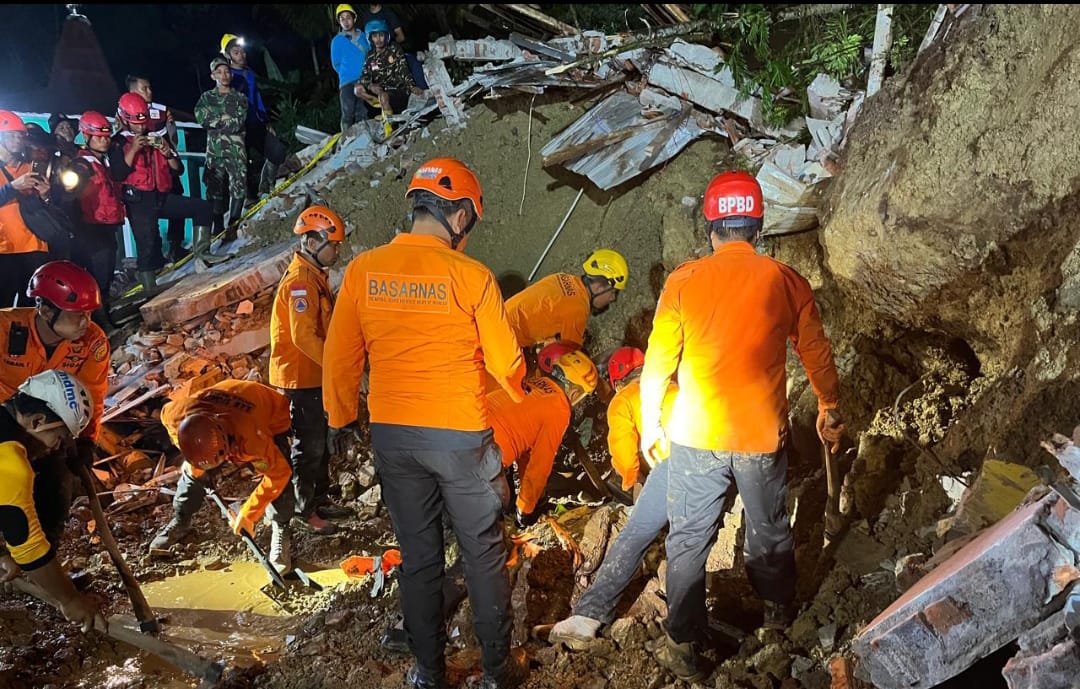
(557, 306)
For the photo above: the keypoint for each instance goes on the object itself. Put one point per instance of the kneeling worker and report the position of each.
(45, 410)
(529, 432)
(245, 423)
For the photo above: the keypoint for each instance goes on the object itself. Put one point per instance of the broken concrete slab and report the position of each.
(442, 88)
(483, 49)
(1054, 668)
(826, 97)
(219, 286)
(244, 343)
(942, 625)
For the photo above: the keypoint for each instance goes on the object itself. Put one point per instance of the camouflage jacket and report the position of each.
(388, 69)
(223, 115)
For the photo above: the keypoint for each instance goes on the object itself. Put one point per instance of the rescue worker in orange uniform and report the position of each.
(528, 433)
(47, 409)
(596, 606)
(298, 326)
(245, 423)
(558, 306)
(430, 320)
(21, 251)
(722, 324)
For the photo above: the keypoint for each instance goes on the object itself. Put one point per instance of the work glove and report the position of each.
(83, 612)
(524, 520)
(655, 446)
(341, 439)
(830, 428)
(84, 450)
(242, 522)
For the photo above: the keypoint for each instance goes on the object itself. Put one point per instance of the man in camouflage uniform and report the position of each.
(222, 111)
(386, 81)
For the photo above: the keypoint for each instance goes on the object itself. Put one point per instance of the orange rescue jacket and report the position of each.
(298, 325)
(15, 236)
(431, 319)
(723, 323)
(529, 433)
(624, 429)
(256, 413)
(23, 355)
(556, 307)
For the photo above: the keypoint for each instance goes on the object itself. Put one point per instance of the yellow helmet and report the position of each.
(229, 38)
(343, 8)
(609, 264)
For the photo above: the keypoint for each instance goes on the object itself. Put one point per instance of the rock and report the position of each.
(594, 683)
(650, 604)
(395, 680)
(188, 564)
(547, 655)
(827, 636)
(724, 551)
(215, 564)
(628, 633)
(365, 475)
(337, 616)
(909, 569)
(1056, 667)
(772, 660)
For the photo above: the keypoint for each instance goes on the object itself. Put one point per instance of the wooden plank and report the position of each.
(224, 284)
(156, 392)
(559, 27)
(576, 151)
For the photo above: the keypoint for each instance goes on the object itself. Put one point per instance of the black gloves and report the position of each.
(340, 439)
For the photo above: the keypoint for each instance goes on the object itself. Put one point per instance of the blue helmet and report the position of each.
(375, 26)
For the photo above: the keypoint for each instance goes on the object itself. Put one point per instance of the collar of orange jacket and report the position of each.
(420, 240)
(735, 247)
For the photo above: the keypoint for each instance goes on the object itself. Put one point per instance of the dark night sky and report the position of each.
(172, 44)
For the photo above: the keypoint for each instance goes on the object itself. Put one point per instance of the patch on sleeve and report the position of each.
(100, 348)
(300, 304)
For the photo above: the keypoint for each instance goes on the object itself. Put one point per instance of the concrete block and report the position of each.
(982, 598)
(1055, 668)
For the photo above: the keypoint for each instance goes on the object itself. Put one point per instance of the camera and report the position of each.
(156, 141)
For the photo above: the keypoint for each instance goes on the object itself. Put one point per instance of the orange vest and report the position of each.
(556, 307)
(23, 355)
(624, 429)
(256, 413)
(529, 433)
(15, 236)
(429, 320)
(298, 325)
(722, 324)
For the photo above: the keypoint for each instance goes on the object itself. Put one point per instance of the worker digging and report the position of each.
(617, 349)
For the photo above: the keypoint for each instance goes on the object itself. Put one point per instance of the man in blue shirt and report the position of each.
(348, 51)
(260, 136)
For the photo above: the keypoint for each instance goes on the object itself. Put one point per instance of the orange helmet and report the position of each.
(450, 179)
(204, 440)
(10, 122)
(322, 220)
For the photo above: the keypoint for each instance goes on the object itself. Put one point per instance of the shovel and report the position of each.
(834, 519)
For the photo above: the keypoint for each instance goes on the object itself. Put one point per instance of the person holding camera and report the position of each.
(222, 111)
(145, 165)
(21, 251)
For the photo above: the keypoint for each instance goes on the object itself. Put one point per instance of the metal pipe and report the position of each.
(556, 235)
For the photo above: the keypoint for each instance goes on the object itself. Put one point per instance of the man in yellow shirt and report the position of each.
(47, 408)
(722, 324)
(558, 306)
(529, 432)
(596, 606)
(298, 324)
(430, 321)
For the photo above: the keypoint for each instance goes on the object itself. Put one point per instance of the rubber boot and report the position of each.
(280, 548)
(682, 660)
(171, 533)
(236, 212)
(201, 243)
(267, 178)
(148, 280)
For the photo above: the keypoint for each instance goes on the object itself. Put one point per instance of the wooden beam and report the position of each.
(559, 27)
(677, 12)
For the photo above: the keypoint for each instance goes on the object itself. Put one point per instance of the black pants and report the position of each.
(261, 146)
(54, 487)
(423, 471)
(353, 108)
(698, 481)
(15, 272)
(146, 208)
(310, 458)
(94, 248)
(190, 494)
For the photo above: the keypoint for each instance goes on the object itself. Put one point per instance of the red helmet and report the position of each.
(733, 194)
(204, 440)
(623, 362)
(93, 123)
(10, 122)
(66, 286)
(549, 355)
(133, 108)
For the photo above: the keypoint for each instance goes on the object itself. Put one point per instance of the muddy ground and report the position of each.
(925, 398)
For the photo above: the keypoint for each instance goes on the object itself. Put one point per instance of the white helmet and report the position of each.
(64, 394)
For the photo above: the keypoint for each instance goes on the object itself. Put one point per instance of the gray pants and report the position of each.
(309, 457)
(424, 471)
(647, 520)
(353, 108)
(697, 483)
(190, 494)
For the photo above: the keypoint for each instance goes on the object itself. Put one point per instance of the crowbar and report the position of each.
(275, 576)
